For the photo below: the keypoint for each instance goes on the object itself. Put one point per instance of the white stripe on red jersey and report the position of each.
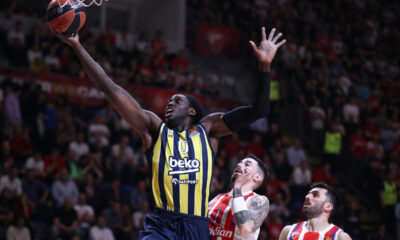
(299, 231)
(222, 222)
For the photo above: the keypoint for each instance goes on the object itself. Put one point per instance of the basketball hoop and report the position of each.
(97, 2)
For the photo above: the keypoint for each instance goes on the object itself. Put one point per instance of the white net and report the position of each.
(85, 3)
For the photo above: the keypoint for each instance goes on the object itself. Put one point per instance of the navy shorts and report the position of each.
(163, 224)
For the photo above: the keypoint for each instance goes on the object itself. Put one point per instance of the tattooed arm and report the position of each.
(248, 221)
(144, 122)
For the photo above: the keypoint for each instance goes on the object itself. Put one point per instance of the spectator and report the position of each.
(99, 131)
(388, 136)
(16, 34)
(281, 168)
(358, 145)
(50, 125)
(122, 152)
(279, 206)
(143, 43)
(353, 221)
(295, 154)
(388, 196)
(24, 207)
(12, 111)
(317, 123)
(125, 231)
(101, 231)
(79, 146)
(11, 182)
(34, 53)
(333, 146)
(323, 174)
(276, 149)
(34, 189)
(93, 168)
(51, 60)
(158, 42)
(18, 230)
(124, 41)
(139, 195)
(274, 225)
(351, 111)
(34, 37)
(85, 215)
(53, 163)
(64, 188)
(273, 186)
(159, 58)
(6, 157)
(138, 216)
(65, 221)
(65, 59)
(255, 146)
(114, 216)
(74, 167)
(21, 144)
(301, 177)
(180, 60)
(107, 39)
(36, 164)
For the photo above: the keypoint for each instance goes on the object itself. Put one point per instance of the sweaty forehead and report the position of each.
(321, 191)
(249, 161)
(178, 96)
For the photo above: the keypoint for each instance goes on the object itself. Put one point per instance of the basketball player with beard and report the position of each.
(239, 213)
(318, 206)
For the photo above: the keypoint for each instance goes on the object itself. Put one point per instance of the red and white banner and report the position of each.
(216, 40)
(81, 89)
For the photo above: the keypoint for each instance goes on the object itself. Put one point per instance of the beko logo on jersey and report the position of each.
(183, 181)
(185, 165)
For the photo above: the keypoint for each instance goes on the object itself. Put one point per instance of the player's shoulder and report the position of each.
(259, 199)
(343, 236)
(285, 232)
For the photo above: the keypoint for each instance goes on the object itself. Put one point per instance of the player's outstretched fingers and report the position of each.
(253, 45)
(280, 43)
(263, 35)
(276, 37)
(271, 34)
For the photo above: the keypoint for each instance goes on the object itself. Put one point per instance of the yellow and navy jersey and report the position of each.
(181, 166)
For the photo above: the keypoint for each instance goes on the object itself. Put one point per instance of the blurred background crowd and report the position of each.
(73, 171)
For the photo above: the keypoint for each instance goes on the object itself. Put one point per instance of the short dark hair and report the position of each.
(261, 165)
(332, 195)
(194, 103)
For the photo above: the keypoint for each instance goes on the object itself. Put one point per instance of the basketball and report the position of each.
(66, 16)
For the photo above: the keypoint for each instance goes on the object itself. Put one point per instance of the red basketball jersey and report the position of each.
(222, 222)
(300, 232)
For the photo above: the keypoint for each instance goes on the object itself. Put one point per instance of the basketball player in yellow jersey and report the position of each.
(181, 149)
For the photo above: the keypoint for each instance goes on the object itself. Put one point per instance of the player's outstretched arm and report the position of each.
(144, 122)
(284, 232)
(220, 124)
(250, 218)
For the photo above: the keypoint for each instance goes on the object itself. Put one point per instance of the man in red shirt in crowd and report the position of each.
(158, 42)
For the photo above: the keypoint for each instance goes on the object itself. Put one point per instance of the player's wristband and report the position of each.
(238, 204)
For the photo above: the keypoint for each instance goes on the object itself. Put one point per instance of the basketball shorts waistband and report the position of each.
(177, 215)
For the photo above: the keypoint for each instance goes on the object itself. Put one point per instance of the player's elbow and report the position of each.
(244, 229)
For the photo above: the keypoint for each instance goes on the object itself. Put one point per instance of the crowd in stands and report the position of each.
(143, 61)
(76, 172)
